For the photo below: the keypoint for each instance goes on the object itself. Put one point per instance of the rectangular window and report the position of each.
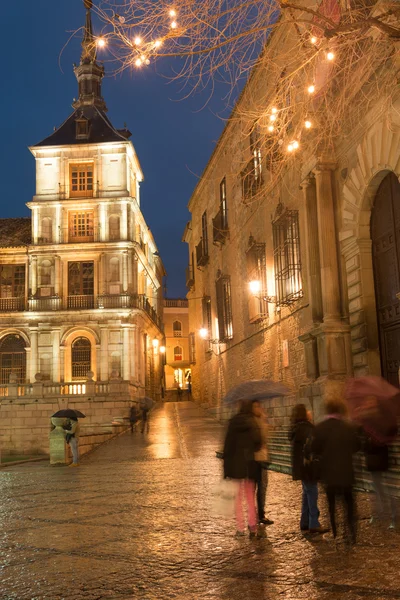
(81, 227)
(257, 281)
(81, 180)
(222, 203)
(224, 308)
(286, 236)
(204, 233)
(207, 317)
(12, 281)
(220, 221)
(252, 174)
(80, 278)
(192, 348)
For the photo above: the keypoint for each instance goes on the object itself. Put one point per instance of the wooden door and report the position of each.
(385, 234)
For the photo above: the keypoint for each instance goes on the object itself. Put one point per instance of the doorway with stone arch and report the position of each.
(385, 237)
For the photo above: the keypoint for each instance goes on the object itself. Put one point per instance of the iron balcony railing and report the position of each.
(12, 304)
(45, 304)
(80, 302)
(139, 301)
(220, 227)
(201, 254)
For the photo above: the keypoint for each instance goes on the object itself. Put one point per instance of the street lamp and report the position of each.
(162, 349)
(255, 290)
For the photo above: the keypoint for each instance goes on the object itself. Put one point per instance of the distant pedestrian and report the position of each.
(146, 404)
(303, 469)
(335, 442)
(179, 391)
(261, 458)
(72, 438)
(242, 441)
(377, 463)
(133, 416)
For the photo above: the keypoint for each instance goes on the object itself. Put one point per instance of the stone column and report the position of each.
(35, 224)
(34, 275)
(125, 271)
(135, 284)
(124, 221)
(312, 249)
(102, 222)
(104, 370)
(55, 334)
(57, 278)
(327, 241)
(133, 353)
(62, 363)
(126, 357)
(34, 354)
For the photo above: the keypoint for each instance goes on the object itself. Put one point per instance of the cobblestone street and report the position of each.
(134, 522)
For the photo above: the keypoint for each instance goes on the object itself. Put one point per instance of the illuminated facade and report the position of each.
(179, 344)
(81, 281)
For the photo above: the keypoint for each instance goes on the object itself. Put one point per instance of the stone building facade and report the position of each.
(81, 281)
(179, 344)
(298, 285)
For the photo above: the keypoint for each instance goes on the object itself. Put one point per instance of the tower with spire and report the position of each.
(81, 281)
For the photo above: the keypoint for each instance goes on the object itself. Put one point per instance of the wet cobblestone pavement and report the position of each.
(134, 522)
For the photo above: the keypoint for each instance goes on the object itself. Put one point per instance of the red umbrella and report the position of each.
(374, 404)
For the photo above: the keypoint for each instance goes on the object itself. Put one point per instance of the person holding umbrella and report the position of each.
(72, 431)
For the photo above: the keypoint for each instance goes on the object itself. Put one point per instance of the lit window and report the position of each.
(81, 180)
(81, 226)
(286, 236)
(177, 328)
(224, 308)
(82, 128)
(178, 353)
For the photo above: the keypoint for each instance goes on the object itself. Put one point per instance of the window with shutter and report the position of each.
(256, 272)
(224, 308)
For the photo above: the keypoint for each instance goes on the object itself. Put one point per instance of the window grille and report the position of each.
(256, 271)
(12, 359)
(220, 221)
(192, 348)
(286, 237)
(207, 317)
(81, 358)
(202, 246)
(177, 328)
(80, 278)
(12, 281)
(224, 308)
(81, 226)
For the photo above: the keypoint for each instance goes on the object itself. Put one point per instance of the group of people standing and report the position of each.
(320, 453)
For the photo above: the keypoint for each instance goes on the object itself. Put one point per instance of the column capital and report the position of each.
(308, 181)
(324, 164)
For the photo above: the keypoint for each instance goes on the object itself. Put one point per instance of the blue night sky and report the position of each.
(173, 137)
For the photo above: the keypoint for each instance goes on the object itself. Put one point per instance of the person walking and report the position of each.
(335, 442)
(300, 435)
(133, 417)
(261, 458)
(377, 464)
(72, 438)
(242, 441)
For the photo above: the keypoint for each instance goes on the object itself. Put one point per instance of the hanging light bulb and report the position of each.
(311, 89)
(290, 148)
(172, 13)
(158, 43)
(143, 58)
(330, 56)
(274, 110)
(295, 145)
(313, 39)
(138, 62)
(271, 128)
(100, 42)
(147, 61)
(174, 25)
(272, 118)
(138, 41)
(307, 124)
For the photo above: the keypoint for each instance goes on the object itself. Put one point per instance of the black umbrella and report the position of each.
(68, 413)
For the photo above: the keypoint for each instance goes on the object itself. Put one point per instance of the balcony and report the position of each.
(44, 304)
(12, 304)
(189, 277)
(116, 301)
(80, 302)
(201, 254)
(220, 227)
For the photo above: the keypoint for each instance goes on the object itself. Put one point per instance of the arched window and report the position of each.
(81, 358)
(12, 359)
(46, 231)
(45, 273)
(178, 353)
(114, 270)
(177, 328)
(114, 228)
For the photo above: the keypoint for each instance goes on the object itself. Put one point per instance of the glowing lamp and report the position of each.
(311, 89)
(155, 343)
(174, 25)
(137, 41)
(271, 128)
(272, 118)
(274, 110)
(172, 13)
(203, 332)
(162, 349)
(138, 62)
(295, 145)
(255, 286)
(158, 43)
(313, 40)
(100, 42)
(307, 124)
(290, 148)
(330, 56)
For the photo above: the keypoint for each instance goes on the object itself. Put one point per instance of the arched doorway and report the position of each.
(12, 358)
(385, 235)
(81, 354)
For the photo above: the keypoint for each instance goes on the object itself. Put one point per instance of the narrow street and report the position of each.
(134, 522)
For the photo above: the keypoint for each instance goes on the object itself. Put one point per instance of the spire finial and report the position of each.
(88, 42)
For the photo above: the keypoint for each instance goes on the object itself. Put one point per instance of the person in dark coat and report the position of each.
(335, 442)
(133, 416)
(242, 441)
(303, 470)
(377, 463)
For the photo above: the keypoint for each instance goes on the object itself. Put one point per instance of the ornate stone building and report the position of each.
(300, 285)
(81, 281)
(179, 345)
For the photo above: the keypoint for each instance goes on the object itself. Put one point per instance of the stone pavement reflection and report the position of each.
(134, 522)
